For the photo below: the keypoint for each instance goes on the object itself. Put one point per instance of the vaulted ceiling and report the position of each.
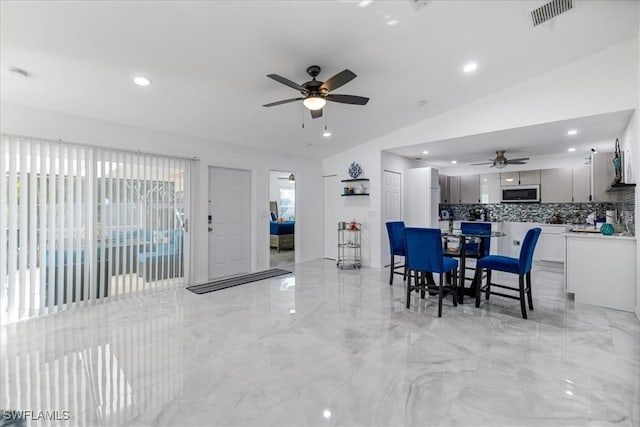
(207, 61)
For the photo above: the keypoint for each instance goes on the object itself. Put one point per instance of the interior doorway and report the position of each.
(282, 218)
(229, 222)
(391, 207)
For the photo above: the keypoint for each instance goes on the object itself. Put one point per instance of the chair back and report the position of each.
(527, 249)
(424, 249)
(479, 228)
(395, 230)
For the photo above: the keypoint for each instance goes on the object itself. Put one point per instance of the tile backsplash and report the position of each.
(570, 213)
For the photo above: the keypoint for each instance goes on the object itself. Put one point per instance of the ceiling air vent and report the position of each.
(419, 4)
(550, 10)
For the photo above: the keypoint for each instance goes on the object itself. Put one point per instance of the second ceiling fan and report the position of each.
(316, 93)
(501, 161)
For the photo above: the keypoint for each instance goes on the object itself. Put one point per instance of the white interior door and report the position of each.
(391, 206)
(332, 191)
(230, 221)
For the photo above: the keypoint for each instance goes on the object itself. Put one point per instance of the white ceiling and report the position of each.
(208, 61)
(536, 142)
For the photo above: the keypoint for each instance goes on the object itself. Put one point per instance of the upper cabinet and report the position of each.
(509, 178)
(470, 189)
(454, 189)
(490, 188)
(529, 177)
(581, 184)
(443, 180)
(556, 185)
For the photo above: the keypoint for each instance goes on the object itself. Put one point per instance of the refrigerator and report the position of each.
(422, 197)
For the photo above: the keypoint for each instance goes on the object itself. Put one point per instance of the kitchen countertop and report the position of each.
(598, 236)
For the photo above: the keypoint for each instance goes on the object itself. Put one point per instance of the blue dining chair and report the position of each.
(424, 256)
(520, 266)
(395, 230)
(473, 249)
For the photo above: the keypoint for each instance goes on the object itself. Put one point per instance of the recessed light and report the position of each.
(454, 161)
(392, 22)
(425, 152)
(571, 150)
(141, 81)
(364, 3)
(569, 392)
(471, 66)
(292, 311)
(326, 413)
(572, 132)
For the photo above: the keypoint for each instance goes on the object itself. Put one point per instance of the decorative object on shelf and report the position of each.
(607, 229)
(617, 164)
(354, 170)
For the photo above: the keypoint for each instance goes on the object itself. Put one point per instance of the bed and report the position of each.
(281, 234)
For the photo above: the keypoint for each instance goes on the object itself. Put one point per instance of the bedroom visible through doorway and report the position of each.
(282, 217)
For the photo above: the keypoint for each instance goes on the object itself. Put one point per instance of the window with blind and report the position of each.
(84, 224)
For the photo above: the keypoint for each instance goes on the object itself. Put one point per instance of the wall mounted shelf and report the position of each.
(355, 180)
(620, 187)
(354, 194)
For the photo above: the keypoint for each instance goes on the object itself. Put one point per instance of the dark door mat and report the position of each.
(205, 288)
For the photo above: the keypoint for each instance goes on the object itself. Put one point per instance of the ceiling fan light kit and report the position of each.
(315, 93)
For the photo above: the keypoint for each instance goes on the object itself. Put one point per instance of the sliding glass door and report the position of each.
(84, 224)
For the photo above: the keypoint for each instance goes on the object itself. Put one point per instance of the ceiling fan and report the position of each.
(316, 93)
(501, 161)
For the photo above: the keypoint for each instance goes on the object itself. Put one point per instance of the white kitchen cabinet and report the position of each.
(509, 178)
(601, 270)
(555, 185)
(581, 189)
(529, 177)
(490, 188)
(454, 189)
(470, 189)
(444, 188)
(602, 174)
(551, 243)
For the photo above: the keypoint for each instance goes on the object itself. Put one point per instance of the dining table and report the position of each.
(448, 237)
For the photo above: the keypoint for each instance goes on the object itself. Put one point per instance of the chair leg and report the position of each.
(423, 281)
(404, 278)
(393, 262)
(529, 291)
(440, 296)
(523, 304)
(408, 292)
(478, 279)
(488, 290)
(454, 287)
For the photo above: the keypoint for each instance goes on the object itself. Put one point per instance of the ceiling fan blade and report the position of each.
(521, 159)
(287, 82)
(485, 163)
(316, 113)
(286, 101)
(513, 162)
(340, 79)
(348, 99)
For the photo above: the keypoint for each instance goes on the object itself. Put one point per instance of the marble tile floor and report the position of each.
(327, 347)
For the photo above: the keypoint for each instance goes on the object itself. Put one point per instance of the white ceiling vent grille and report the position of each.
(550, 11)
(419, 4)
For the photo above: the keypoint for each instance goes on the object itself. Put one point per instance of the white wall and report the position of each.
(363, 209)
(46, 124)
(636, 173)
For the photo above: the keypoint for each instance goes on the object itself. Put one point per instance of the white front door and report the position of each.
(391, 206)
(230, 221)
(332, 191)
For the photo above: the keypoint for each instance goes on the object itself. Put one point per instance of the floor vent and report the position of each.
(550, 11)
(419, 4)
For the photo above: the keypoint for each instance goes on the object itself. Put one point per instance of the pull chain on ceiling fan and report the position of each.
(316, 93)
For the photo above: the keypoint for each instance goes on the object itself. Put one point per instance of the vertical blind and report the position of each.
(84, 224)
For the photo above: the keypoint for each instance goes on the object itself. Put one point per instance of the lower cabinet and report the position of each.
(601, 270)
(550, 245)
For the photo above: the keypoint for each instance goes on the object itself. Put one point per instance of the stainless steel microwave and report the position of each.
(521, 194)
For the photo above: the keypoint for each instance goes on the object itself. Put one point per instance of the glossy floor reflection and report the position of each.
(328, 347)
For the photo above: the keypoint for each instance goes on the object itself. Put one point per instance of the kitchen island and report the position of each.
(601, 270)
